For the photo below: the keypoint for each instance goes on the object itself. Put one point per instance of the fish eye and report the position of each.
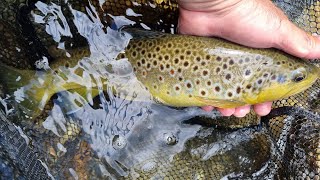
(299, 77)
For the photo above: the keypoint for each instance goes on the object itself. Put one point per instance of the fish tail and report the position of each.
(18, 84)
(13, 78)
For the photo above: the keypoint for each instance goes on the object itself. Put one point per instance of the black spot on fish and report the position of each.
(176, 51)
(259, 81)
(278, 63)
(258, 57)
(249, 86)
(189, 85)
(224, 66)
(240, 61)
(180, 79)
(149, 55)
(205, 72)
(139, 64)
(195, 68)
(231, 62)
(176, 60)
(67, 65)
(167, 66)
(166, 57)
(188, 52)
(265, 75)
(186, 64)
(161, 67)
(169, 45)
(143, 61)
(148, 65)
(238, 90)
(143, 52)
(209, 83)
(197, 82)
(179, 70)
(273, 77)
(246, 59)
(218, 69)
(218, 58)
(207, 57)
(217, 88)
(177, 88)
(203, 63)
(160, 78)
(140, 43)
(160, 58)
(228, 77)
(203, 93)
(248, 72)
(198, 59)
(182, 57)
(157, 48)
(230, 94)
(155, 63)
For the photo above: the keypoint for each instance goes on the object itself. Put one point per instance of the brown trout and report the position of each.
(181, 71)
(184, 70)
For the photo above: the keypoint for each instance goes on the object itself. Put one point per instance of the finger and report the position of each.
(262, 109)
(297, 42)
(207, 108)
(242, 111)
(227, 111)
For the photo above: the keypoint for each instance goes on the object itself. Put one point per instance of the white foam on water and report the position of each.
(19, 94)
(22, 134)
(145, 26)
(52, 15)
(61, 147)
(73, 173)
(130, 12)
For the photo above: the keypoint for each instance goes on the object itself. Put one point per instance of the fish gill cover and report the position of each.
(97, 127)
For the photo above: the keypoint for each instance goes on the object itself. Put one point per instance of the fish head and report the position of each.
(288, 77)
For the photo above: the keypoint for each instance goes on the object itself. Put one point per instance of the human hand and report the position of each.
(254, 23)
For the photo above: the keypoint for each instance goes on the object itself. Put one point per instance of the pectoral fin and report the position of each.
(221, 103)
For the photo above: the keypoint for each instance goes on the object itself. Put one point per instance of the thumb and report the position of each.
(297, 42)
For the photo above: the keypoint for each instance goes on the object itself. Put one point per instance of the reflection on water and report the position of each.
(94, 132)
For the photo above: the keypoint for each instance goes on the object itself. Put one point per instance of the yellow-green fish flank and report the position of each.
(182, 70)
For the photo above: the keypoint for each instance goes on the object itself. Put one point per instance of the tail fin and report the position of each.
(13, 78)
(18, 85)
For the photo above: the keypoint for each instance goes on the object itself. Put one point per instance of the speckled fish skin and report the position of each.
(182, 70)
